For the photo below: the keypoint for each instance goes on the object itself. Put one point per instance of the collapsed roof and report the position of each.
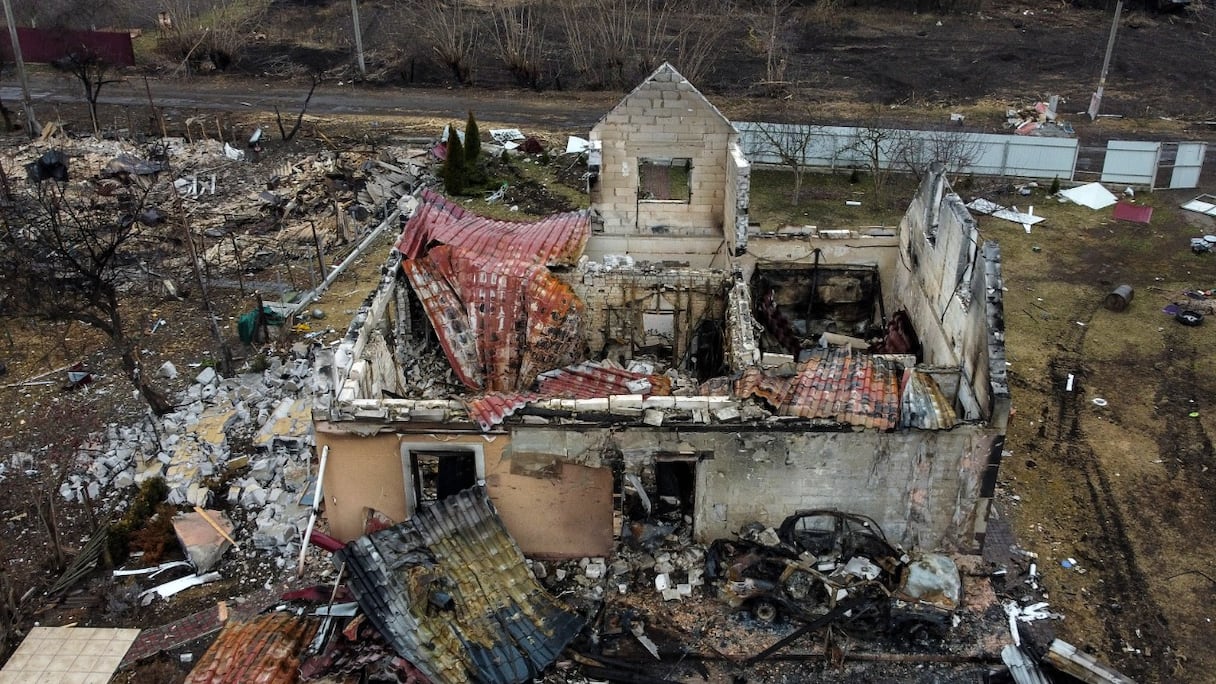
(450, 591)
(485, 285)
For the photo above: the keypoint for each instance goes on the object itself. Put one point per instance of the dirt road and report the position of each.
(564, 111)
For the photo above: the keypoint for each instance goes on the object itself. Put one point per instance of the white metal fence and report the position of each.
(985, 154)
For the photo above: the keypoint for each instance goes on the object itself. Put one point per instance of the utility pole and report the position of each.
(1096, 101)
(31, 122)
(354, 13)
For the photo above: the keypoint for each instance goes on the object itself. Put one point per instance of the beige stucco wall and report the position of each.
(361, 472)
(567, 513)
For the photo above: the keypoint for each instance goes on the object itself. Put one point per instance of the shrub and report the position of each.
(454, 171)
(151, 493)
(472, 142)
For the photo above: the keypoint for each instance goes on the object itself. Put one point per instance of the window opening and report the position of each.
(440, 474)
(665, 180)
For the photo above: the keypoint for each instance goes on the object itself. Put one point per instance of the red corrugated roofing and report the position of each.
(554, 240)
(266, 650)
(833, 384)
(500, 315)
(587, 380)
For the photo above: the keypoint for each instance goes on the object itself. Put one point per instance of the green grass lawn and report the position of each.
(822, 201)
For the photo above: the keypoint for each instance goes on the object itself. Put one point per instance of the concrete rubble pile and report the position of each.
(658, 559)
(243, 441)
(426, 372)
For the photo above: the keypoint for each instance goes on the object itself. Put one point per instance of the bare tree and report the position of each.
(519, 39)
(789, 143)
(954, 150)
(699, 39)
(602, 39)
(92, 71)
(76, 247)
(218, 31)
(768, 36)
(286, 135)
(879, 149)
(450, 28)
(615, 42)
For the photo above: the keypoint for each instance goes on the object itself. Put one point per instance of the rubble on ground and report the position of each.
(1039, 119)
(247, 215)
(243, 443)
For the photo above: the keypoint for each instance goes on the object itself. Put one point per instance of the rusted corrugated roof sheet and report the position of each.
(923, 405)
(265, 650)
(449, 590)
(499, 313)
(586, 380)
(554, 240)
(833, 384)
(491, 409)
(358, 649)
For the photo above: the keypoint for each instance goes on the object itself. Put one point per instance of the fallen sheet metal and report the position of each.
(1136, 213)
(450, 591)
(1066, 658)
(577, 145)
(265, 650)
(176, 586)
(1092, 195)
(1023, 668)
(501, 316)
(152, 571)
(1203, 204)
(1026, 220)
(585, 380)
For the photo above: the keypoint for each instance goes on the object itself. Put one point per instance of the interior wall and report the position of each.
(771, 249)
(616, 300)
(738, 199)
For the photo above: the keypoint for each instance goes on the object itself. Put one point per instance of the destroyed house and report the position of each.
(594, 367)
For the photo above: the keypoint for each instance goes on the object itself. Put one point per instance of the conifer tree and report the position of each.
(454, 170)
(472, 142)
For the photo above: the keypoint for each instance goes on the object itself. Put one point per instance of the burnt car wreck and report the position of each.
(826, 562)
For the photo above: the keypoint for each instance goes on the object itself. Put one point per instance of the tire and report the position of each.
(1189, 318)
(765, 611)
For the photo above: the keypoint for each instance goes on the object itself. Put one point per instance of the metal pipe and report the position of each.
(336, 271)
(312, 517)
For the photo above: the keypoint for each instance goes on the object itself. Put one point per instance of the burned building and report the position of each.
(653, 354)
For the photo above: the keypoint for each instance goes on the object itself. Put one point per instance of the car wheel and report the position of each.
(765, 611)
(1189, 318)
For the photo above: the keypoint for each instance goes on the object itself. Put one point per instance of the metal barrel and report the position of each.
(1119, 298)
